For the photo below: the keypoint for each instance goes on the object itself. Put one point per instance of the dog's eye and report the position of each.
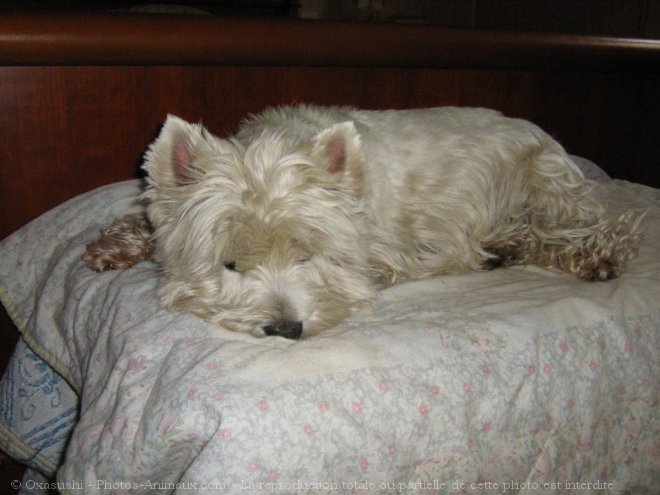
(303, 259)
(230, 265)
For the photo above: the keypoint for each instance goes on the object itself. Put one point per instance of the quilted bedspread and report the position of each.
(521, 380)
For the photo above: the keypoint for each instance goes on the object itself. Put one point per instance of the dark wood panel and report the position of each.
(66, 130)
(199, 40)
(63, 132)
(612, 17)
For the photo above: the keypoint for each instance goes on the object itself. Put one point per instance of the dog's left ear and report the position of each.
(339, 149)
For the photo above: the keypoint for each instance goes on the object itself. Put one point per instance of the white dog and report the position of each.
(307, 210)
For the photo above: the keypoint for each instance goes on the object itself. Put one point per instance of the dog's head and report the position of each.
(262, 237)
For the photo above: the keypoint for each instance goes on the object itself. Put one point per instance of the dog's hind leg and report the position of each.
(567, 227)
(126, 242)
(595, 252)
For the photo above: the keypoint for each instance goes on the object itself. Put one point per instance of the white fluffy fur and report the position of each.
(307, 210)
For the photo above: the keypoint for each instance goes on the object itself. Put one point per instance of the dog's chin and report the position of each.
(307, 313)
(291, 330)
(311, 326)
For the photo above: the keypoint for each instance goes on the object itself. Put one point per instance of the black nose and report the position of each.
(285, 328)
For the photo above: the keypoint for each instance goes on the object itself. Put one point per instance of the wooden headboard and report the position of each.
(82, 96)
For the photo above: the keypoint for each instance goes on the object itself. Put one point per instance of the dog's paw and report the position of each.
(101, 256)
(125, 243)
(599, 271)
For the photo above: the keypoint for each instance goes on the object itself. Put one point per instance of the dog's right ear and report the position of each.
(174, 157)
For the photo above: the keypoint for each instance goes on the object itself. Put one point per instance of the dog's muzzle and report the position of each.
(284, 328)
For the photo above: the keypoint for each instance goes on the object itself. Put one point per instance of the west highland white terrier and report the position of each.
(305, 211)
